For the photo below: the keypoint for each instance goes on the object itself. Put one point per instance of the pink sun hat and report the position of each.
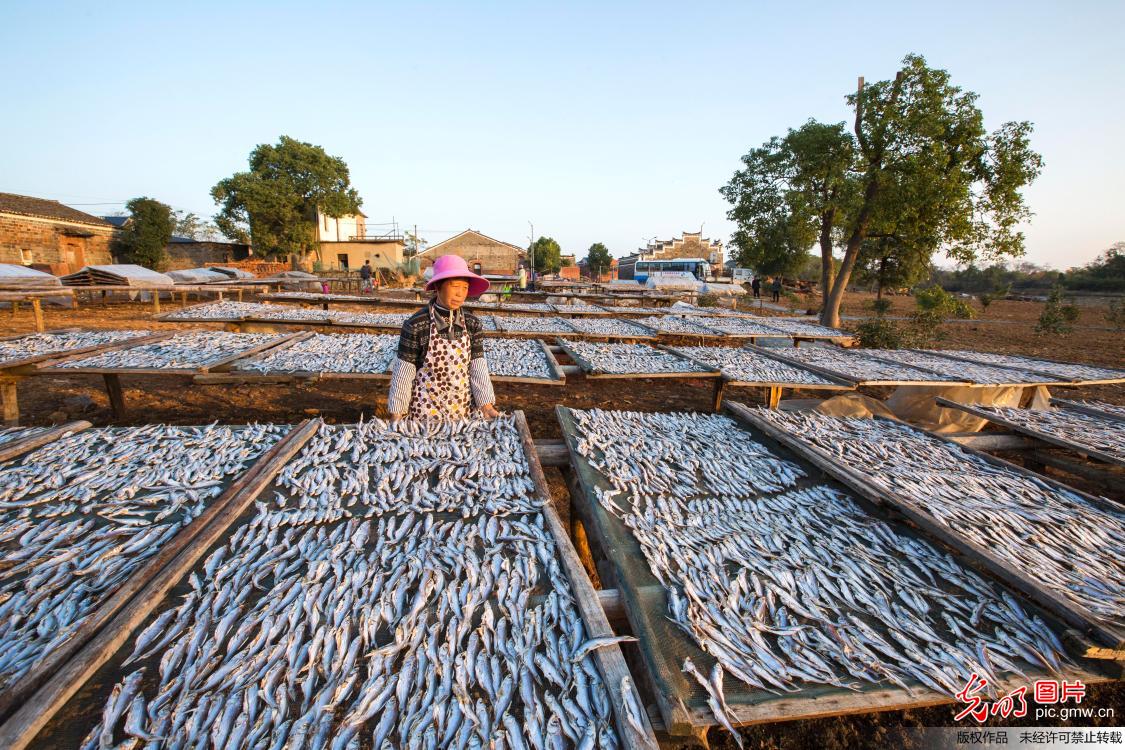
(454, 267)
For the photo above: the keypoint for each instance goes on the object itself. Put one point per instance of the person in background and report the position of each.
(324, 286)
(756, 287)
(775, 288)
(440, 372)
(523, 279)
(365, 277)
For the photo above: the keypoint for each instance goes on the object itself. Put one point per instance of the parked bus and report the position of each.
(697, 267)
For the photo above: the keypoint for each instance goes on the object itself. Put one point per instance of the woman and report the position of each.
(440, 371)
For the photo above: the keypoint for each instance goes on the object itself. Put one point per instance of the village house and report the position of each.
(483, 254)
(605, 275)
(185, 252)
(345, 243)
(51, 237)
(689, 245)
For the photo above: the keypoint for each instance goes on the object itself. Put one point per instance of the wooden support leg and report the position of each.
(220, 296)
(156, 302)
(15, 308)
(774, 397)
(37, 310)
(10, 402)
(183, 298)
(116, 397)
(720, 386)
(239, 295)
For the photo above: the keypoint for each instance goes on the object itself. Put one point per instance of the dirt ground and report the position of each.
(1004, 327)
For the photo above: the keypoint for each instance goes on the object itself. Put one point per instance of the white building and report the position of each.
(340, 229)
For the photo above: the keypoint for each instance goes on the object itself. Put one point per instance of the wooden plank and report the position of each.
(551, 361)
(1093, 411)
(37, 311)
(10, 401)
(19, 447)
(1073, 614)
(610, 661)
(116, 395)
(552, 452)
(226, 378)
(992, 441)
(45, 690)
(1046, 437)
(1109, 480)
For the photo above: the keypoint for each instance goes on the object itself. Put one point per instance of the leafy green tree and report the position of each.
(1106, 273)
(548, 255)
(1058, 315)
(414, 244)
(598, 259)
(144, 240)
(791, 193)
(924, 174)
(274, 205)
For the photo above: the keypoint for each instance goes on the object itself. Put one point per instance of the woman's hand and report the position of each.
(488, 411)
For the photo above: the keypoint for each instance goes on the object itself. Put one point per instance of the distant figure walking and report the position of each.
(365, 277)
(756, 287)
(523, 279)
(775, 289)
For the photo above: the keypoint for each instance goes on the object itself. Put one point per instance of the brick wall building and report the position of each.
(482, 253)
(54, 237)
(184, 252)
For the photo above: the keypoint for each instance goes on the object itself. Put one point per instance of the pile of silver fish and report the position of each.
(607, 327)
(855, 365)
(225, 310)
(748, 366)
(796, 327)
(321, 297)
(630, 359)
(677, 325)
(740, 326)
(1105, 435)
(576, 306)
(1074, 547)
(12, 434)
(368, 353)
(375, 320)
(956, 370)
(517, 358)
(530, 324)
(410, 630)
(38, 344)
(1111, 410)
(182, 351)
(637, 309)
(530, 307)
(487, 322)
(81, 514)
(787, 585)
(1060, 370)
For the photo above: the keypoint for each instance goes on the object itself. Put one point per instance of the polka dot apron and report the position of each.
(441, 387)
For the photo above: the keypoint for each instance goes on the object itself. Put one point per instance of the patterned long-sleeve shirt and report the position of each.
(414, 342)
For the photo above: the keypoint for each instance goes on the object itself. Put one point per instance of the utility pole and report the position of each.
(531, 254)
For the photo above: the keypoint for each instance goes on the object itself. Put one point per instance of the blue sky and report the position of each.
(611, 122)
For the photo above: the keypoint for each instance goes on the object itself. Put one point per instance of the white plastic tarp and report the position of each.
(197, 276)
(17, 278)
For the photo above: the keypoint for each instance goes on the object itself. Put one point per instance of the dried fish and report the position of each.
(1057, 370)
(517, 358)
(80, 514)
(857, 365)
(182, 351)
(614, 327)
(980, 374)
(1075, 548)
(38, 344)
(1105, 435)
(365, 353)
(786, 584)
(531, 324)
(741, 326)
(12, 434)
(675, 324)
(630, 359)
(1110, 410)
(328, 629)
(749, 366)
